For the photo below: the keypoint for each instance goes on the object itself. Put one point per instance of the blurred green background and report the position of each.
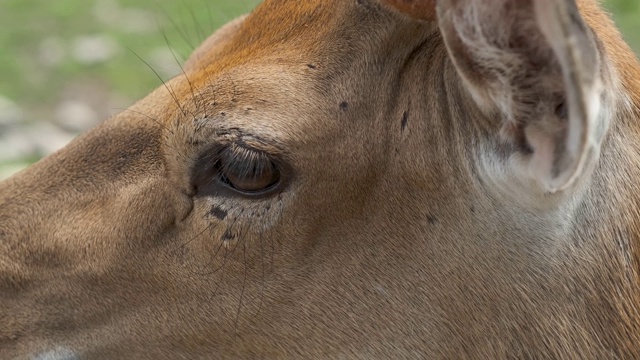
(67, 64)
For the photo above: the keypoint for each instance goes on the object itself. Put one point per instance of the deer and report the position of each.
(347, 179)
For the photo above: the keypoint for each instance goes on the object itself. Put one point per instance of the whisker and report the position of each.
(175, 26)
(244, 282)
(209, 263)
(208, 228)
(273, 251)
(263, 280)
(227, 256)
(216, 254)
(175, 98)
(196, 24)
(219, 284)
(272, 243)
(208, 6)
(148, 117)
(193, 95)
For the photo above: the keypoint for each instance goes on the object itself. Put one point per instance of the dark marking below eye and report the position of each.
(432, 219)
(405, 120)
(311, 66)
(344, 106)
(218, 213)
(228, 236)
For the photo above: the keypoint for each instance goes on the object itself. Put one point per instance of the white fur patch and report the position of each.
(60, 353)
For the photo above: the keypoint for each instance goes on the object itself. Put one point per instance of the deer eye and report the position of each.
(247, 171)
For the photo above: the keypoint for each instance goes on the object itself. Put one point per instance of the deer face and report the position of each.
(344, 179)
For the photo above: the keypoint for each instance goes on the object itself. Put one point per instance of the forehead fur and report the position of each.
(295, 28)
(289, 29)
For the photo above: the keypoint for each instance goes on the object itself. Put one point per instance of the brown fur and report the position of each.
(386, 240)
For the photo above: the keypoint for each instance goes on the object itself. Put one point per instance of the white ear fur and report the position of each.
(583, 91)
(527, 59)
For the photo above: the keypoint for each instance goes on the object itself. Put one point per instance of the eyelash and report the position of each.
(248, 171)
(238, 157)
(232, 167)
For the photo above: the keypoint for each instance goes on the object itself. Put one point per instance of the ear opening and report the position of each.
(538, 64)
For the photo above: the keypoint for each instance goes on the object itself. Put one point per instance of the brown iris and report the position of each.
(246, 170)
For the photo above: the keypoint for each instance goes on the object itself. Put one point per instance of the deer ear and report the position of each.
(536, 64)
(417, 9)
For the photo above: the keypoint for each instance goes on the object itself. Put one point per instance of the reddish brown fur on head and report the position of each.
(418, 9)
(347, 179)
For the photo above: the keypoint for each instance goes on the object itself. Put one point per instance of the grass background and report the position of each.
(140, 29)
(27, 23)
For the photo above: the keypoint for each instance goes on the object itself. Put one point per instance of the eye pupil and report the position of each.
(247, 171)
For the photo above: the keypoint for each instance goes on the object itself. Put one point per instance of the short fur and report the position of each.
(405, 226)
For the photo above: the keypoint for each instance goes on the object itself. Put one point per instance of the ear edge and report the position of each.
(561, 153)
(580, 68)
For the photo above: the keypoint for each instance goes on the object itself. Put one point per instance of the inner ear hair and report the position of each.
(538, 64)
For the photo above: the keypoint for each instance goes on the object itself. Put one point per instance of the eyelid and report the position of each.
(237, 166)
(208, 166)
(241, 158)
(265, 142)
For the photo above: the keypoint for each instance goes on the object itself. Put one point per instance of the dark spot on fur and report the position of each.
(344, 106)
(47, 259)
(405, 120)
(228, 236)
(311, 66)
(218, 213)
(432, 219)
(472, 209)
(562, 111)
